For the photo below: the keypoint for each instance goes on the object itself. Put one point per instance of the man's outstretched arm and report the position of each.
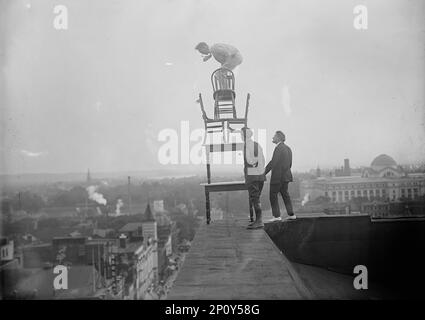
(273, 162)
(250, 157)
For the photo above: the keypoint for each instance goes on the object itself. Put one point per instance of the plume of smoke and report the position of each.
(96, 196)
(118, 207)
(305, 200)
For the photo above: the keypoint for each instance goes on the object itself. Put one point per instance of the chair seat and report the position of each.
(215, 126)
(210, 121)
(224, 95)
(236, 120)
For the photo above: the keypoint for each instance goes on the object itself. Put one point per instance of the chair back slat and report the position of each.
(223, 79)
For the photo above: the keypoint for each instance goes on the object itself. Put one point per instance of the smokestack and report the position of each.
(347, 170)
(129, 196)
(123, 241)
(88, 179)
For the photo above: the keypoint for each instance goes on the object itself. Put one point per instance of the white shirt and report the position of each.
(227, 55)
(252, 159)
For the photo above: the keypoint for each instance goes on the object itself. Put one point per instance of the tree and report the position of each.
(321, 200)
(6, 208)
(27, 201)
(76, 196)
(356, 203)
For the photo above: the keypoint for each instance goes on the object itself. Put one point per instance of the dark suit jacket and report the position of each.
(281, 164)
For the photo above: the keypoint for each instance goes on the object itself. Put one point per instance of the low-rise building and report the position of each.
(165, 248)
(397, 209)
(145, 272)
(132, 230)
(383, 180)
(7, 250)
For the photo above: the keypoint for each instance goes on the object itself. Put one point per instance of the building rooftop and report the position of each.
(132, 226)
(357, 179)
(148, 214)
(227, 261)
(80, 283)
(131, 247)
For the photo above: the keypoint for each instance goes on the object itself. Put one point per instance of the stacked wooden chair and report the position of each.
(224, 121)
(225, 115)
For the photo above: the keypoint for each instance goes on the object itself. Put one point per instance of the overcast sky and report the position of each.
(97, 95)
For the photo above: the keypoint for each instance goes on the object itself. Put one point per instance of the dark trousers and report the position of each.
(281, 188)
(254, 190)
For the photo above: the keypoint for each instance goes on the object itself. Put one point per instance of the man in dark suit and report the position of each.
(280, 165)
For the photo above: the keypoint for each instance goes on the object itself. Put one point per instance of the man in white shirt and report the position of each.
(228, 56)
(254, 174)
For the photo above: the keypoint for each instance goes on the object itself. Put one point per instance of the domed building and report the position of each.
(383, 180)
(383, 166)
(383, 161)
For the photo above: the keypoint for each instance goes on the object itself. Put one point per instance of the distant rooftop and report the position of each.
(80, 279)
(357, 179)
(148, 214)
(130, 247)
(131, 226)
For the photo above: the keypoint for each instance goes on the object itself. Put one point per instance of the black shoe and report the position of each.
(256, 225)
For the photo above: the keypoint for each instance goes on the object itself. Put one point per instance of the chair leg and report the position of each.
(207, 206)
(248, 96)
(205, 134)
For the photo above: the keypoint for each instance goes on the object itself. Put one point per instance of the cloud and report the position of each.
(32, 154)
(286, 100)
(98, 105)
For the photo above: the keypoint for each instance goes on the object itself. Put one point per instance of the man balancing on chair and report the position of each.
(228, 56)
(254, 174)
